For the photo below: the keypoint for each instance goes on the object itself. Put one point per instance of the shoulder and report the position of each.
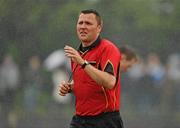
(108, 45)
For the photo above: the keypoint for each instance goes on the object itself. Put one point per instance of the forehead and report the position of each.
(89, 17)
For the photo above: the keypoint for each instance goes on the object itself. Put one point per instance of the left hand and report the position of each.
(73, 54)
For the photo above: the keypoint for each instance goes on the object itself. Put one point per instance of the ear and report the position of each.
(99, 28)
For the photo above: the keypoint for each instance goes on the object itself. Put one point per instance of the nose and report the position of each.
(83, 25)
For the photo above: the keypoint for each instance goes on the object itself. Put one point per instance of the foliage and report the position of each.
(41, 26)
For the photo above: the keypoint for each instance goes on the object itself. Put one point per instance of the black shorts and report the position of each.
(105, 120)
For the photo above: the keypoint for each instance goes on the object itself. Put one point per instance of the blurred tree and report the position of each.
(41, 26)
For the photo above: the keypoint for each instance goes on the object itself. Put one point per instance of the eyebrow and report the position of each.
(87, 22)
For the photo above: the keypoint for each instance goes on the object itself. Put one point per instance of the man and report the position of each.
(96, 83)
(128, 58)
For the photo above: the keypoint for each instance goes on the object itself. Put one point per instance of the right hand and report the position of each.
(73, 54)
(65, 87)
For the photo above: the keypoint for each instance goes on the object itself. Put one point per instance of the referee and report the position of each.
(95, 69)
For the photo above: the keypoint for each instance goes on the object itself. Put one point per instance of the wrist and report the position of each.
(85, 64)
(82, 62)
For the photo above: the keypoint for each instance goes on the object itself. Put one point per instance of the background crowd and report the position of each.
(29, 96)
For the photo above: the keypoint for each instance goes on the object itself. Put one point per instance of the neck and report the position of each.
(88, 43)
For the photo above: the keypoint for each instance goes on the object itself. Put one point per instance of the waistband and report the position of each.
(104, 114)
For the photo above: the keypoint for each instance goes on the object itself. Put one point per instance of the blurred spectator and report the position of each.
(155, 70)
(57, 63)
(9, 83)
(174, 67)
(9, 75)
(33, 83)
(128, 58)
(58, 75)
(154, 80)
(171, 95)
(137, 72)
(136, 86)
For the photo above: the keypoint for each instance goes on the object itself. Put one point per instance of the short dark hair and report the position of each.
(98, 17)
(128, 52)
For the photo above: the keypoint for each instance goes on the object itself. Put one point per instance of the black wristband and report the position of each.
(85, 63)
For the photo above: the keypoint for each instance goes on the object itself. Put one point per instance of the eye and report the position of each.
(88, 23)
(81, 22)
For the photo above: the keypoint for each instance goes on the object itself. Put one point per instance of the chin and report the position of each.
(83, 39)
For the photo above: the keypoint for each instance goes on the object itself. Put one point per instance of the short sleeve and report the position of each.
(110, 59)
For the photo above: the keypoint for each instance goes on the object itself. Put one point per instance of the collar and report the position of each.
(93, 45)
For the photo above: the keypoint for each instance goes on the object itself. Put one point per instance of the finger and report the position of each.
(67, 86)
(70, 56)
(70, 86)
(70, 52)
(68, 47)
(62, 94)
(64, 85)
(64, 88)
(63, 91)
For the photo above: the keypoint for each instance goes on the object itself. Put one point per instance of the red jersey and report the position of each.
(91, 98)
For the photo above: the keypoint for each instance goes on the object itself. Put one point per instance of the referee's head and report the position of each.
(98, 17)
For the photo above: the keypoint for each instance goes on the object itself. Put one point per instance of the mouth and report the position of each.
(83, 33)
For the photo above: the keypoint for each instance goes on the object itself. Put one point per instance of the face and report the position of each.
(126, 64)
(87, 28)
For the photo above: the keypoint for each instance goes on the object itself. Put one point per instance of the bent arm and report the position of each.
(100, 77)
